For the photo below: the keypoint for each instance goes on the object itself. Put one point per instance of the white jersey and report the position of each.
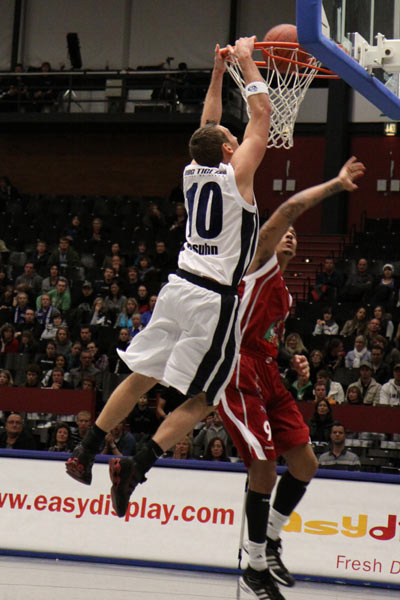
(221, 229)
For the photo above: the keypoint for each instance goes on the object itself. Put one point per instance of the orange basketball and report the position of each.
(284, 33)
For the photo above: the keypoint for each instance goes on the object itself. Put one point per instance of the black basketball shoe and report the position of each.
(79, 465)
(276, 567)
(260, 584)
(125, 476)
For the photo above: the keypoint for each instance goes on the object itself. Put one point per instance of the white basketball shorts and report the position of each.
(192, 340)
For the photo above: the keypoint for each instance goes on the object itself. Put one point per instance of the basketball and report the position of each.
(284, 33)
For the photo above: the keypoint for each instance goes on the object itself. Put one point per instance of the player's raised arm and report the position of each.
(251, 152)
(212, 109)
(287, 213)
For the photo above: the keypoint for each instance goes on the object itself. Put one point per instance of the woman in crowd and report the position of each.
(62, 341)
(61, 438)
(385, 291)
(8, 342)
(316, 363)
(334, 354)
(360, 352)
(124, 319)
(183, 449)
(385, 319)
(294, 344)
(354, 395)
(114, 302)
(101, 317)
(216, 450)
(50, 282)
(321, 422)
(357, 325)
(327, 325)
(6, 379)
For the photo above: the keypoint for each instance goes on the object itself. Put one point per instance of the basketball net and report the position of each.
(286, 89)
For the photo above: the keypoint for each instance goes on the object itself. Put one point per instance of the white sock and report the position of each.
(276, 521)
(257, 557)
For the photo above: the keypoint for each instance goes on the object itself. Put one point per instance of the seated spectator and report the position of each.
(327, 325)
(385, 320)
(74, 231)
(96, 240)
(147, 273)
(370, 389)
(119, 272)
(64, 256)
(102, 286)
(4, 279)
(143, 298)
(61, 438)
(101, 317)
(30, 324)
(15, 436)
(142, 420)
(32, 376)
(294, 344)
(354, 358)
(381, 370)
(86, 369)
(386, 288)
(85, 336)
(142, 250)
(47, 360)
(51, 328)
(27, 345)
(334, 389)
(132, 282)
(213, 427)
(390, 391)
(8, 343)
(30, 279)
(100, 361)
(114, 301)
(154, 220)
(73, 356)
(56, 380)
(334, 354)
(6, 379)
(114, 250)
(44, 95)
(116, 364)
(22, 304)
(302, 389)
(40, 259)
(6, 305)
(50, 282)
(321, 422)
(183, 449)
(320, 393)
(119, 442)
(61, 297)
(45, 311)
(62, 341)
(83, 421)
(353, 395)
(328, 283)
(338, 457)
(216, 450)
(373, 330)
(162, 263)
(359, 286)
(146, 316)
(82, 304)
(124, 319)
(177, 228)
(60, 363)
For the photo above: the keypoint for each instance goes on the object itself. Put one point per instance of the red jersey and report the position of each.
(265, 305)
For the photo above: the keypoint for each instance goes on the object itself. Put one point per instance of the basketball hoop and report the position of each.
(288, 78)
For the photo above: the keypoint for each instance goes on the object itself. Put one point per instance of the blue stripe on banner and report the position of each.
(213, 355)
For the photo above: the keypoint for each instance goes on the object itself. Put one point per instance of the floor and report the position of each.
(43, 579)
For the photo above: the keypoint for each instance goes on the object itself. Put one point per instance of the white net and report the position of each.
(286, 91)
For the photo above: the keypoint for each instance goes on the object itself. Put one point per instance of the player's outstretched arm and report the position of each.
(251, 152)
(212, 109)
(287, 213)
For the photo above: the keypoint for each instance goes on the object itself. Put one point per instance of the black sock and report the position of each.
(147, 456)
(289, 493)
(94, 438)
(257, 508)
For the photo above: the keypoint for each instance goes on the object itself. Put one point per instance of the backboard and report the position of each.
(360, 41)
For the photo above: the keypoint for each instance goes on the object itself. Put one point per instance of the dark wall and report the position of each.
(149, 162)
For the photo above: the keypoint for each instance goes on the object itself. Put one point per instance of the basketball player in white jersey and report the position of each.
(192, 339)
(259, 413)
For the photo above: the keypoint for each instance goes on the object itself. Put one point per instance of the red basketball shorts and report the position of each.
(259, 413)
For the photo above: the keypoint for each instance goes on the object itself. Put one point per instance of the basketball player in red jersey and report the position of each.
(259, 413)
